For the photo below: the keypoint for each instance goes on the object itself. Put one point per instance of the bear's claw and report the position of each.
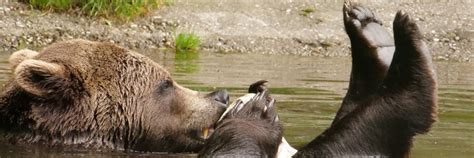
(258, 86)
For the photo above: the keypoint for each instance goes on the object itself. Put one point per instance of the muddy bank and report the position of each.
(22, 27)
(270, 27)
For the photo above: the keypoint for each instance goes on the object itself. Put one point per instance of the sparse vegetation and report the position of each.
(57, 5)
(187, 42)
(121, 9)
(307, 11)
(168, 2)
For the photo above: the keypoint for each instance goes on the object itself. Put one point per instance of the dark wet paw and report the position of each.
(357, 16)
(405, 28)
(263, 106)
(410, 46)
(260, 106)
(258, 86)
(365, 31)
(259, 103)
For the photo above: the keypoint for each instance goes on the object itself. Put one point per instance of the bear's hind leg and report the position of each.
(411, 82)
(372, 50)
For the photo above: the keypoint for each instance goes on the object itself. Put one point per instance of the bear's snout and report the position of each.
(221, 96)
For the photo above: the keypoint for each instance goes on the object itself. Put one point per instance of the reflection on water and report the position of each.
(185, 60)
(308, 91)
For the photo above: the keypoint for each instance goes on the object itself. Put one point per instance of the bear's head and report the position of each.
(99, 95)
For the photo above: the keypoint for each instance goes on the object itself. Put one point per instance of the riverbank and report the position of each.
(296, 27)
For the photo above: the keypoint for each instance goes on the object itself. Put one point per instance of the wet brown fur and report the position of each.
(102, 96)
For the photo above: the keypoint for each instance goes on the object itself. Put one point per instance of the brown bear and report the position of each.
(98, 95)
(391, 97)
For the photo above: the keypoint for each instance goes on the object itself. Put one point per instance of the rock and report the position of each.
(20, 24)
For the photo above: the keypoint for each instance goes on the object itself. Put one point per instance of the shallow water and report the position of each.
(308, 91)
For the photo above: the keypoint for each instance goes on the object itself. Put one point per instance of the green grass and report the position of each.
(187, 42)
(58, 5)
(121, 9)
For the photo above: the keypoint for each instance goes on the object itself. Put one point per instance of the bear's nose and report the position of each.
(221, 96)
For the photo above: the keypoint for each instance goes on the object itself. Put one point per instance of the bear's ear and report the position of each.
(40, 78)
(21, 55)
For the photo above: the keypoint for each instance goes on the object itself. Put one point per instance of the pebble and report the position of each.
(19, 24)
(5, 9)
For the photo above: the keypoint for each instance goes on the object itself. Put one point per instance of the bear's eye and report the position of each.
(164, 85)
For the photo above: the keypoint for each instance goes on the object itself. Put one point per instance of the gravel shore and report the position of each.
(270, 27)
